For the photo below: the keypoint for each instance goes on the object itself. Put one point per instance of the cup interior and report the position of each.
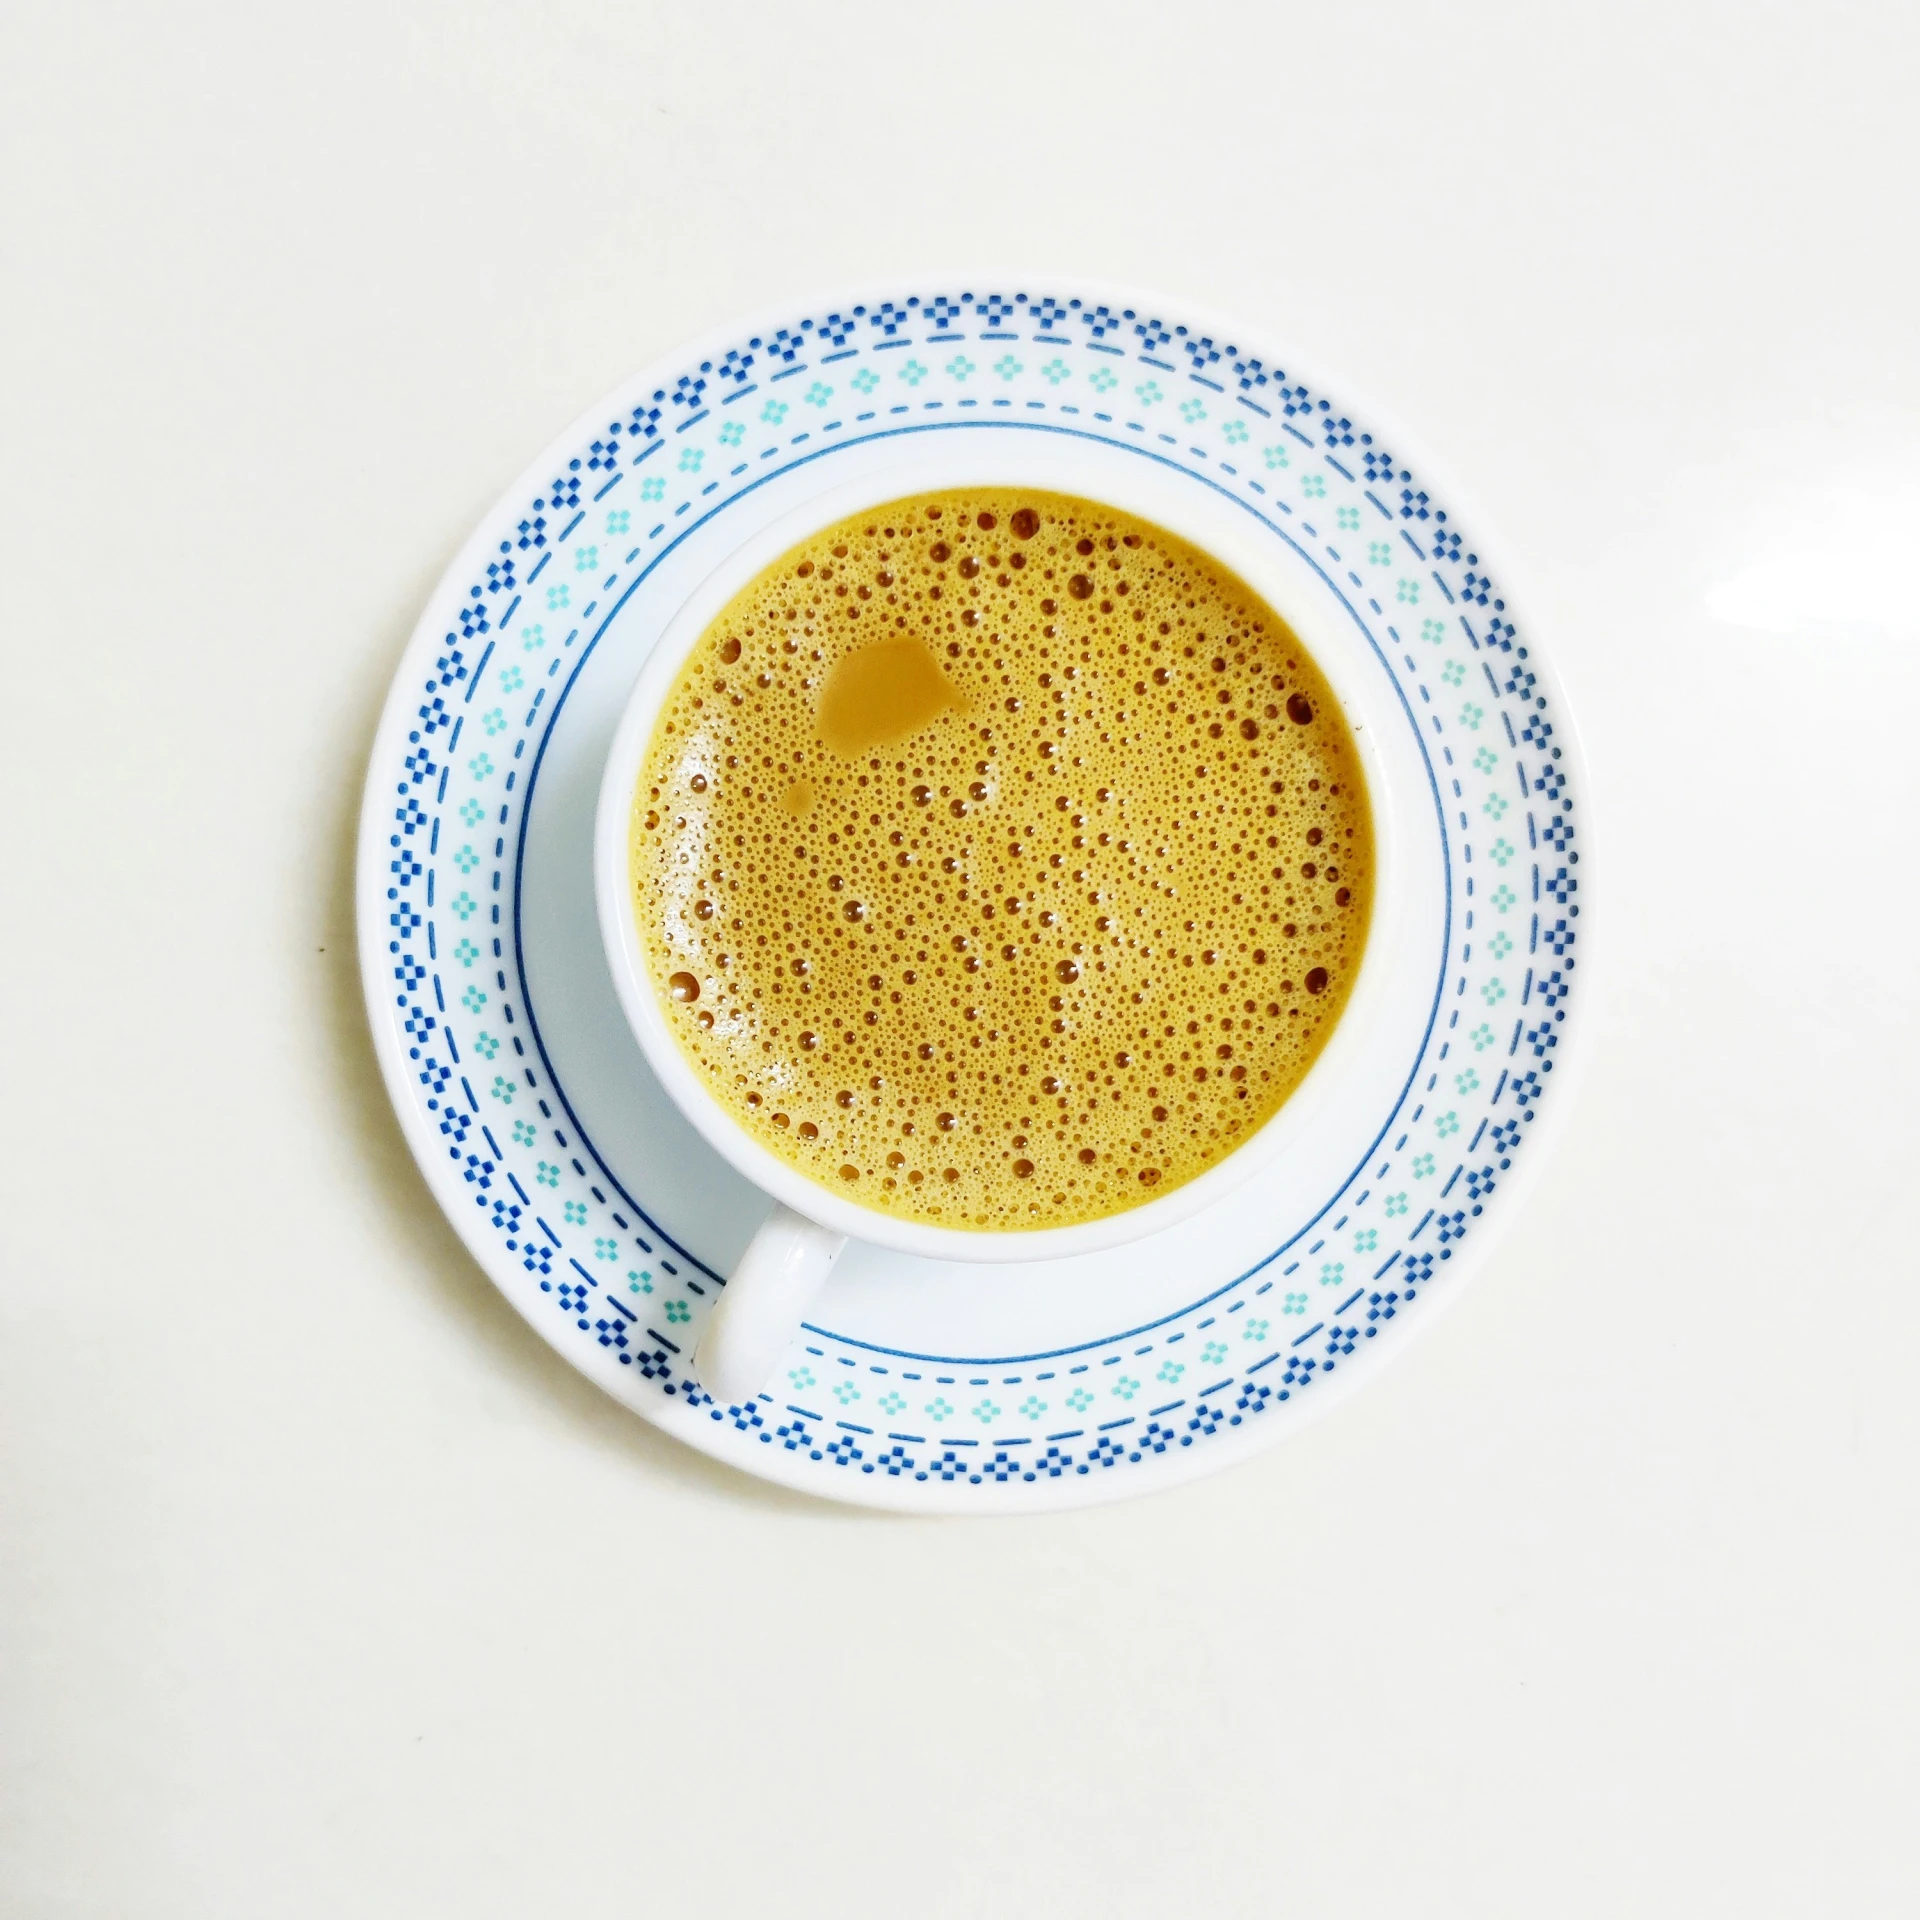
(1316, 1138)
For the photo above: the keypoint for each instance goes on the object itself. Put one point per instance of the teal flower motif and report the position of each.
(802, 1378)
(1347, 519)
(1055, 371)
(1453, 673)
(1006, 366)
(604, 1249)
(619, 519)
(679, 1312)
(818, 394)
(1276, 456)
(466, 953)
(1433, 631)
(463, 905)
(1294, 1303)
(891, 1403)
(653, 487)
(1033, 1406)
(1125, 1387)
(985, 1410)
(864, 381)
(1503, 896)
(1494, 992)
(1500, 945)
(639, 1280)
(1422, 1165)
(494, 721)
(1448, 1123)
(1494, 806)
(1396, 1205)
(485, 1045)
(1483, 1036)
(585, 559)
(558, 596)
(1213, 1353)
(1466, 1081)
(1192, 411)
(525, 1133)
(845, 1392)
(502, 1089)
(731, 434)
(960, 366)
(466, 859)
(1378, 553)
(512, 680)
(1332, 1272)
(1233, 431)
(1170, 1372)
(1485, 760)
(1255, 1330)
(1103, 379)
(1148, 393)
(575, 1213)
(913, 373)
(533, 638)
(547, 1174)
(1365, 1240)
(1407, 592)
(1313, 485)
(938, 1409)
(774, 412)
(1079, 1399)
(1471, 716)
(1500, 853)
(480, 765)
(692, 459)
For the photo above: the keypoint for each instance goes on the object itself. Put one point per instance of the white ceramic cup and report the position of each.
(787, 1263)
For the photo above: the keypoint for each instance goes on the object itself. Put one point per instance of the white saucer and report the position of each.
(600, 1212)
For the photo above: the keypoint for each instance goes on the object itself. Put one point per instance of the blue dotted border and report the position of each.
(1308, 428)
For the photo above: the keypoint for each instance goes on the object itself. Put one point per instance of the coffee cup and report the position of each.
(777, 1280)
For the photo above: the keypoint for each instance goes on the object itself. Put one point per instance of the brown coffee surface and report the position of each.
(1001, 860)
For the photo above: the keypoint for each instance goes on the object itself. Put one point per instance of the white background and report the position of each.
(326, 1589)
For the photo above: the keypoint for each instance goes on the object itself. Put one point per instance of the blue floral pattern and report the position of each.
(1323, 481)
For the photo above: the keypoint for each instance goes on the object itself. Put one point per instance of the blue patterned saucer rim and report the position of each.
(1326, 453)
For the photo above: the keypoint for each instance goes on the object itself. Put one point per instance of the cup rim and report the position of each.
(1094, 477)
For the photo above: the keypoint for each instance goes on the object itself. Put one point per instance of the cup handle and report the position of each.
(759, 1312)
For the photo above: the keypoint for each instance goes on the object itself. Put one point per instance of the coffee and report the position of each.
(1002, 860)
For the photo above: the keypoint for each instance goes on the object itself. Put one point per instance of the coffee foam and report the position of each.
(1002, 860)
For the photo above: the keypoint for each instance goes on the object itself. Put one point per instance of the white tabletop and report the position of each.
(325, 1588)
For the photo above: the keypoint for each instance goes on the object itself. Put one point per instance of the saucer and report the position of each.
(601, 1213)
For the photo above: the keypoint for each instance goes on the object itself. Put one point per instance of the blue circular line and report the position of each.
(993, 425)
